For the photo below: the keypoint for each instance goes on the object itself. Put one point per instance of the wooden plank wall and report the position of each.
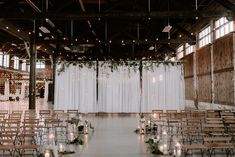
(204, 74)
(223, 72)
(188, 77)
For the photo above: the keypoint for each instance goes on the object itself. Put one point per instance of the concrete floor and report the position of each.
(115, 137)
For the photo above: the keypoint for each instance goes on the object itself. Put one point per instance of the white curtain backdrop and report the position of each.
(163, 88)
(118, 91)
(75, 88)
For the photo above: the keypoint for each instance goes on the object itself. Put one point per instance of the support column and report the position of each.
(22, 93)
(53, 74)
(32, 75)
(212, 66)
(46, 90)
(234, 67)
(141, 85)
(54, 69)
(195, 81)
(7, 90)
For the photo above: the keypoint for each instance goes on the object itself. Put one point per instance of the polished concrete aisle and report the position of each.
(115, 137)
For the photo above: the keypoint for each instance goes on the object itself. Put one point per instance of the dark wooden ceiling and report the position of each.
(106, 28)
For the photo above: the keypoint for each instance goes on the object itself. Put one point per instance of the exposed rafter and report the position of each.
(185, 32)
(119, 15)
(227, 4)
(143, 42)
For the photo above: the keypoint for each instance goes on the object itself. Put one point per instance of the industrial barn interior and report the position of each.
(111, 78)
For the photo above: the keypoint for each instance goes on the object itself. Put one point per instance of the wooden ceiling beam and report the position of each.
(117, 41)
(227, 4)
(119, 15)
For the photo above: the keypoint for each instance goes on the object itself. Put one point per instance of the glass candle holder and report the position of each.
(61, 147)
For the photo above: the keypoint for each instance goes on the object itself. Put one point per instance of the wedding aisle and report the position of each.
(115, 137)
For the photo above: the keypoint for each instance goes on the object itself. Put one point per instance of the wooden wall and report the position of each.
(188, 77)
(223, 70)
(204, 74)
(222, 77)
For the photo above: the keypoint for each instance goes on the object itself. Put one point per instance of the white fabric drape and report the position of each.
(75, 88)
(163, 88)
(118, 91)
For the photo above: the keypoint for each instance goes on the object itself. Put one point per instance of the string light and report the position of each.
(18, 30)
(7, 27)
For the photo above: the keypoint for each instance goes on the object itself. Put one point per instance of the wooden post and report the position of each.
(32, 76)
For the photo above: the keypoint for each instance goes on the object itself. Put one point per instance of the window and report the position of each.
(28, 68)
(1, 58)
(173, 59)
(189, 48)
(40, 65)
(204, 37)
(180, 52)
(223, 27)
(24, 66)
(6, 60)
(16, 62)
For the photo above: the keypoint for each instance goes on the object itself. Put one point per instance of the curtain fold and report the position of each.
(163, 88)
(118, 90)
(75, 88)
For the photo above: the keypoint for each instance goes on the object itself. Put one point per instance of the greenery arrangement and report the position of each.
(77, 141)
(153, 147)
(137, 130)
(67, 152)
(114, 64)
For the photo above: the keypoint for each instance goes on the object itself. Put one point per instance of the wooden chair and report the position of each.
(214, 143)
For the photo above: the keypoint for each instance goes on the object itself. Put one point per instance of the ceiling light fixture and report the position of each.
(151, 48)
(44, 29)
(67, 48)
(167, 28)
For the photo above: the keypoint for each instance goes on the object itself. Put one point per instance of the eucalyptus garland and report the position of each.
(113, 64)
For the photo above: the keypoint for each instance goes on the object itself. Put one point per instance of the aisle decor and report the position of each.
(146, 127)
(153, 145)
(114, 64)
(77, 141)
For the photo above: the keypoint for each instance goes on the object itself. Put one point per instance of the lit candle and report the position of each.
(178, 152)
(61, 147)
(47, 154)
(71, 136)
(154, 115)
(86, 130)
(161, 148)
(148, 122)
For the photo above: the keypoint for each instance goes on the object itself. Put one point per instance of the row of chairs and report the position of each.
(206, 131)
(25, 132)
